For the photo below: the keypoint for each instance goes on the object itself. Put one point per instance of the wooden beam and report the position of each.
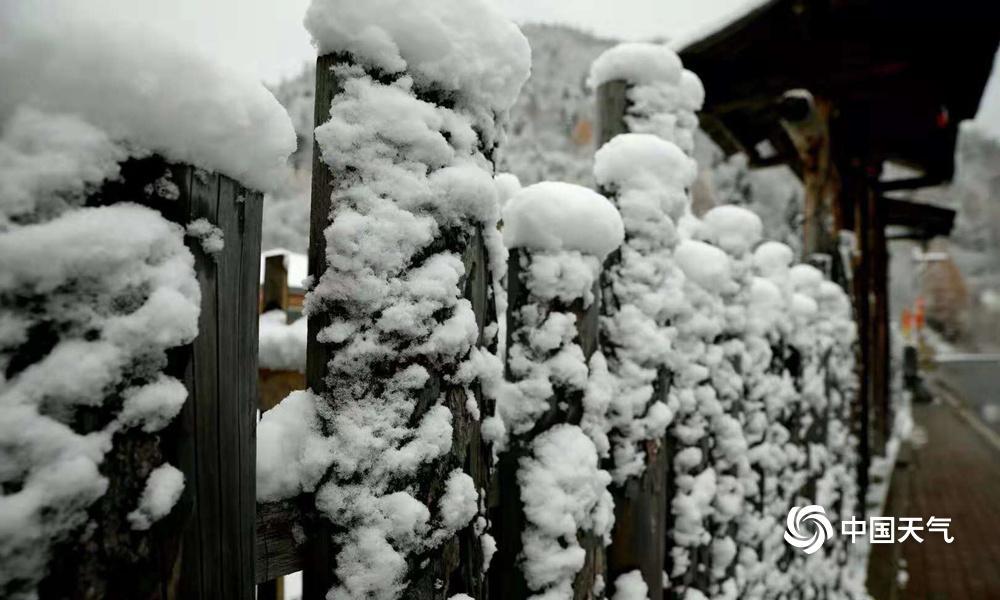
(927, 220)
(806, 120)
(282, 543)
(910, 183)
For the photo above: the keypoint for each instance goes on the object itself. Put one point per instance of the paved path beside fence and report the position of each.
(952, 471)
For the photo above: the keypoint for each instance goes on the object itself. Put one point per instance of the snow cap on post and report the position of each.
(643, 160)
(733, 228)
(153, 93)
(464, 46)
(636, 62)
(561, 216)
(692, 91)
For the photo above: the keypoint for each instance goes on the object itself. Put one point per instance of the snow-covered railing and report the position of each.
(758, 367)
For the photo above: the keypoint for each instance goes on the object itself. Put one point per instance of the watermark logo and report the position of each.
(808, 528)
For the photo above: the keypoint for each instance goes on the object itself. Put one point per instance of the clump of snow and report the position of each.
(630, 586)
(464, 46)
(153, 405)
(773, 259)
(733, 228)
(557, 216)
(508, 185)
(292, 455)
(459, 503)
(166, 98)
(46, 158)
(163, 489)
(646, 167)
(662, 96)
(564, 492)
(117, 303)
(704, 264)
(636, 62)
(209, 236)
(281, 345)
(692, 90)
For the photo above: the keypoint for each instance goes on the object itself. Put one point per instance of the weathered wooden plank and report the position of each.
(639, 537)
(227, 377)
(318, 569)
(273, 386)
(281, 546)
(203, 404)
(249, 208)
(274, 291)
(612, 104)
(221, 409)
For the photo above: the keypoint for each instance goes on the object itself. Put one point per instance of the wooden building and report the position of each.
(835, 89)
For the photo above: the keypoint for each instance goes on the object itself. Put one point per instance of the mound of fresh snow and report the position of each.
(461, 45)
(692, 90)
(153, 93)
(733, 228)
(282, 345)
(637, 62)
(773, 259)
(805, 279)
(630, 155)
(507, 186)
(704, 264)
(561, 216)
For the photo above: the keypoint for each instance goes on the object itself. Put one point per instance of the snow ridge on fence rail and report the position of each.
(422, 93)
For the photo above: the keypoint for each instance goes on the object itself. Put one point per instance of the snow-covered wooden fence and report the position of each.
(204, 548)
(779, 434)
(666, 389)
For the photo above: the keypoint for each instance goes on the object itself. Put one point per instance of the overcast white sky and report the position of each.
(265, 38)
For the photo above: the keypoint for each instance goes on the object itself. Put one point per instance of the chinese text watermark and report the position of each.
(808, 528)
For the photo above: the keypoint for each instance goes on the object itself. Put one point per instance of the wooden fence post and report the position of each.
(205, 547)
(317, 574)
(506, 579)
(639, 537)
(219, 450)
(457, 562)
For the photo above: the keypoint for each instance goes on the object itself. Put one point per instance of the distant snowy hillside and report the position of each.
(550, 137)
